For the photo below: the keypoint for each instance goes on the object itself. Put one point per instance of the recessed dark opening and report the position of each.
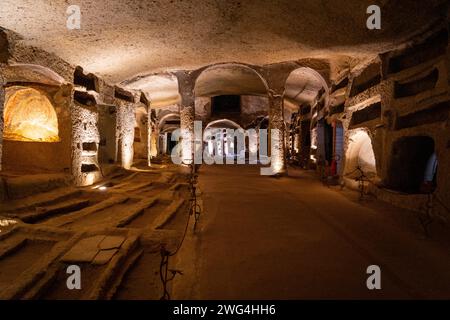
(90, 81)
(84, 98)
(369, 113)
(85, 168)
(435, 113)
(433, 47)
(412, 88)
(170, 144)
(341, 84)
(328, 139)
(225, 105)
(173, 122)
(337, 109)
(89, 146)
(305, 110)
(368, 78)
(112, 109)
(143, 99)
(264, 124)
(305, 142)
(123, 95)
(409, 159)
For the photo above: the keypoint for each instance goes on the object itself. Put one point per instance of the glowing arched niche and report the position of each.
(360, 154)
(30, 116)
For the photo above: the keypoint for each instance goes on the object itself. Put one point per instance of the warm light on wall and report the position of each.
(89, 178)
(360, 153)
(127, 155)
(126, 121)
(30, 116)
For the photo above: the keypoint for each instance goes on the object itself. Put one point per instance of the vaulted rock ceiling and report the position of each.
(120, 39)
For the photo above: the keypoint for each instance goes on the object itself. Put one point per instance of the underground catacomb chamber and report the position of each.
(94, 126)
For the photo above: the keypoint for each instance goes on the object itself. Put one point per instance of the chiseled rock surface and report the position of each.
(135, 36)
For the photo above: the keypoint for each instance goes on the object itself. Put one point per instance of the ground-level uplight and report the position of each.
(6, 223)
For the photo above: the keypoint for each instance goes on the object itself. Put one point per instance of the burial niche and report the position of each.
(412, 164)
(30, 116)
(360, 155)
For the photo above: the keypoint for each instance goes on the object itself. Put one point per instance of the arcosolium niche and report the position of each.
(29, 116)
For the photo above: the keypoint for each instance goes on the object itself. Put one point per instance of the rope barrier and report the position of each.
(362, 178)
(194, 209)
(427, 217)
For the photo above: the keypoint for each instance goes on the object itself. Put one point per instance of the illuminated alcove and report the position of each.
(360, 155)
(30, 116)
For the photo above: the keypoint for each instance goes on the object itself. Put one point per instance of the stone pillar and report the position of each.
(165, 142)
(85, 133)
(297, 144)
(154, 150)
(186, 85)
(149, 135)
(277, 133)
(276, 77)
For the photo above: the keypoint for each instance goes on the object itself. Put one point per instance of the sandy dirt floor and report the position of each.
(295, 238)
(113, 231)
(258, 238)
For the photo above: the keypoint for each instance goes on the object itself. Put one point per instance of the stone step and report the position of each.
(39, 200)
(126, 266)
(57, 209)
(18, 187)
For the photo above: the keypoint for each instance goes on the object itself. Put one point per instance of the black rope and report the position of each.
(194, 209)
(362, 178)
(427, 217)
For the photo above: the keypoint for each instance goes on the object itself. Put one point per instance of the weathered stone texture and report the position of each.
(125, 131)
(85, 166)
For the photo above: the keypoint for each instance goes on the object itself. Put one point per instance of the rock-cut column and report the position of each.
(149, 135)
(125, 127)
(276, 135)
(187, 114)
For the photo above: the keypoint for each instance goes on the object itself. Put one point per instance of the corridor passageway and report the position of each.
(294, 238)
(107, 108)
